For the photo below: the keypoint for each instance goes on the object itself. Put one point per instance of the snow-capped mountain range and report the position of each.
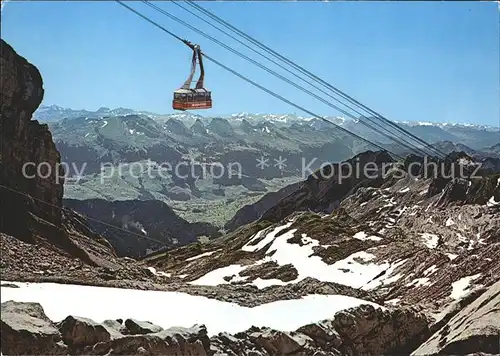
(47, 113)
(53, 113)
(477, 137)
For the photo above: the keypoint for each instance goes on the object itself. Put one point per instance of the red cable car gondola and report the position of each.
(186, 98)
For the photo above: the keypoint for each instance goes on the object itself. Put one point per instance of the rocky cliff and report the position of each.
(26, 144)
(31, 178)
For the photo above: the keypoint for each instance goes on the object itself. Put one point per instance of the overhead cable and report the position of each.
(261, 87)
(276, 74)
(314, 77)
(388, 134)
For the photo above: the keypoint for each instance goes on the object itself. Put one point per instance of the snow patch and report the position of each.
(460, 288)
(362, 236)
(264, 283)
(419, 282)
(432, 269)
(216, 276)
(394, 301)
(451, 256)
(430, 240)
(159, 273)
(101, 303)
(104, 125)
(354, 271)
(264, 242)
(492, 201)
(385, 278)
(201, 255)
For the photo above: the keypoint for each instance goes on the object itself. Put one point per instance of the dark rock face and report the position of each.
(80, 332)
(372, 331)
(25, 141)
(33, 212)
(324, 189)
(270, 270)
(140, 225)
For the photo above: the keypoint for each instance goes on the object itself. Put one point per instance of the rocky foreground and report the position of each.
(364, 330)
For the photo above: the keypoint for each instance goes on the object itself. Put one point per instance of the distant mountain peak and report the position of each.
(176, 126)
(221, 126)
(199, 127)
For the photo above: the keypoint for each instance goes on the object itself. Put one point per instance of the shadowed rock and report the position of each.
(26, 330)
(79, 332)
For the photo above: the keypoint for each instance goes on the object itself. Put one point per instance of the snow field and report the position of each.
(169, 309)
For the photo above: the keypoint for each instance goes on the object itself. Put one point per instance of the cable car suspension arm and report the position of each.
(197, 57)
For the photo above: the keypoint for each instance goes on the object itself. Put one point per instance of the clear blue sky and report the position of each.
(432, 61)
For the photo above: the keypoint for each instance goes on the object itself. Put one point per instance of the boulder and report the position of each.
(175, 341)
(79, 332)
(26, 330)
(115, 328)
(279, 343)
(136, 327)
(322, 333)
(190, 335)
